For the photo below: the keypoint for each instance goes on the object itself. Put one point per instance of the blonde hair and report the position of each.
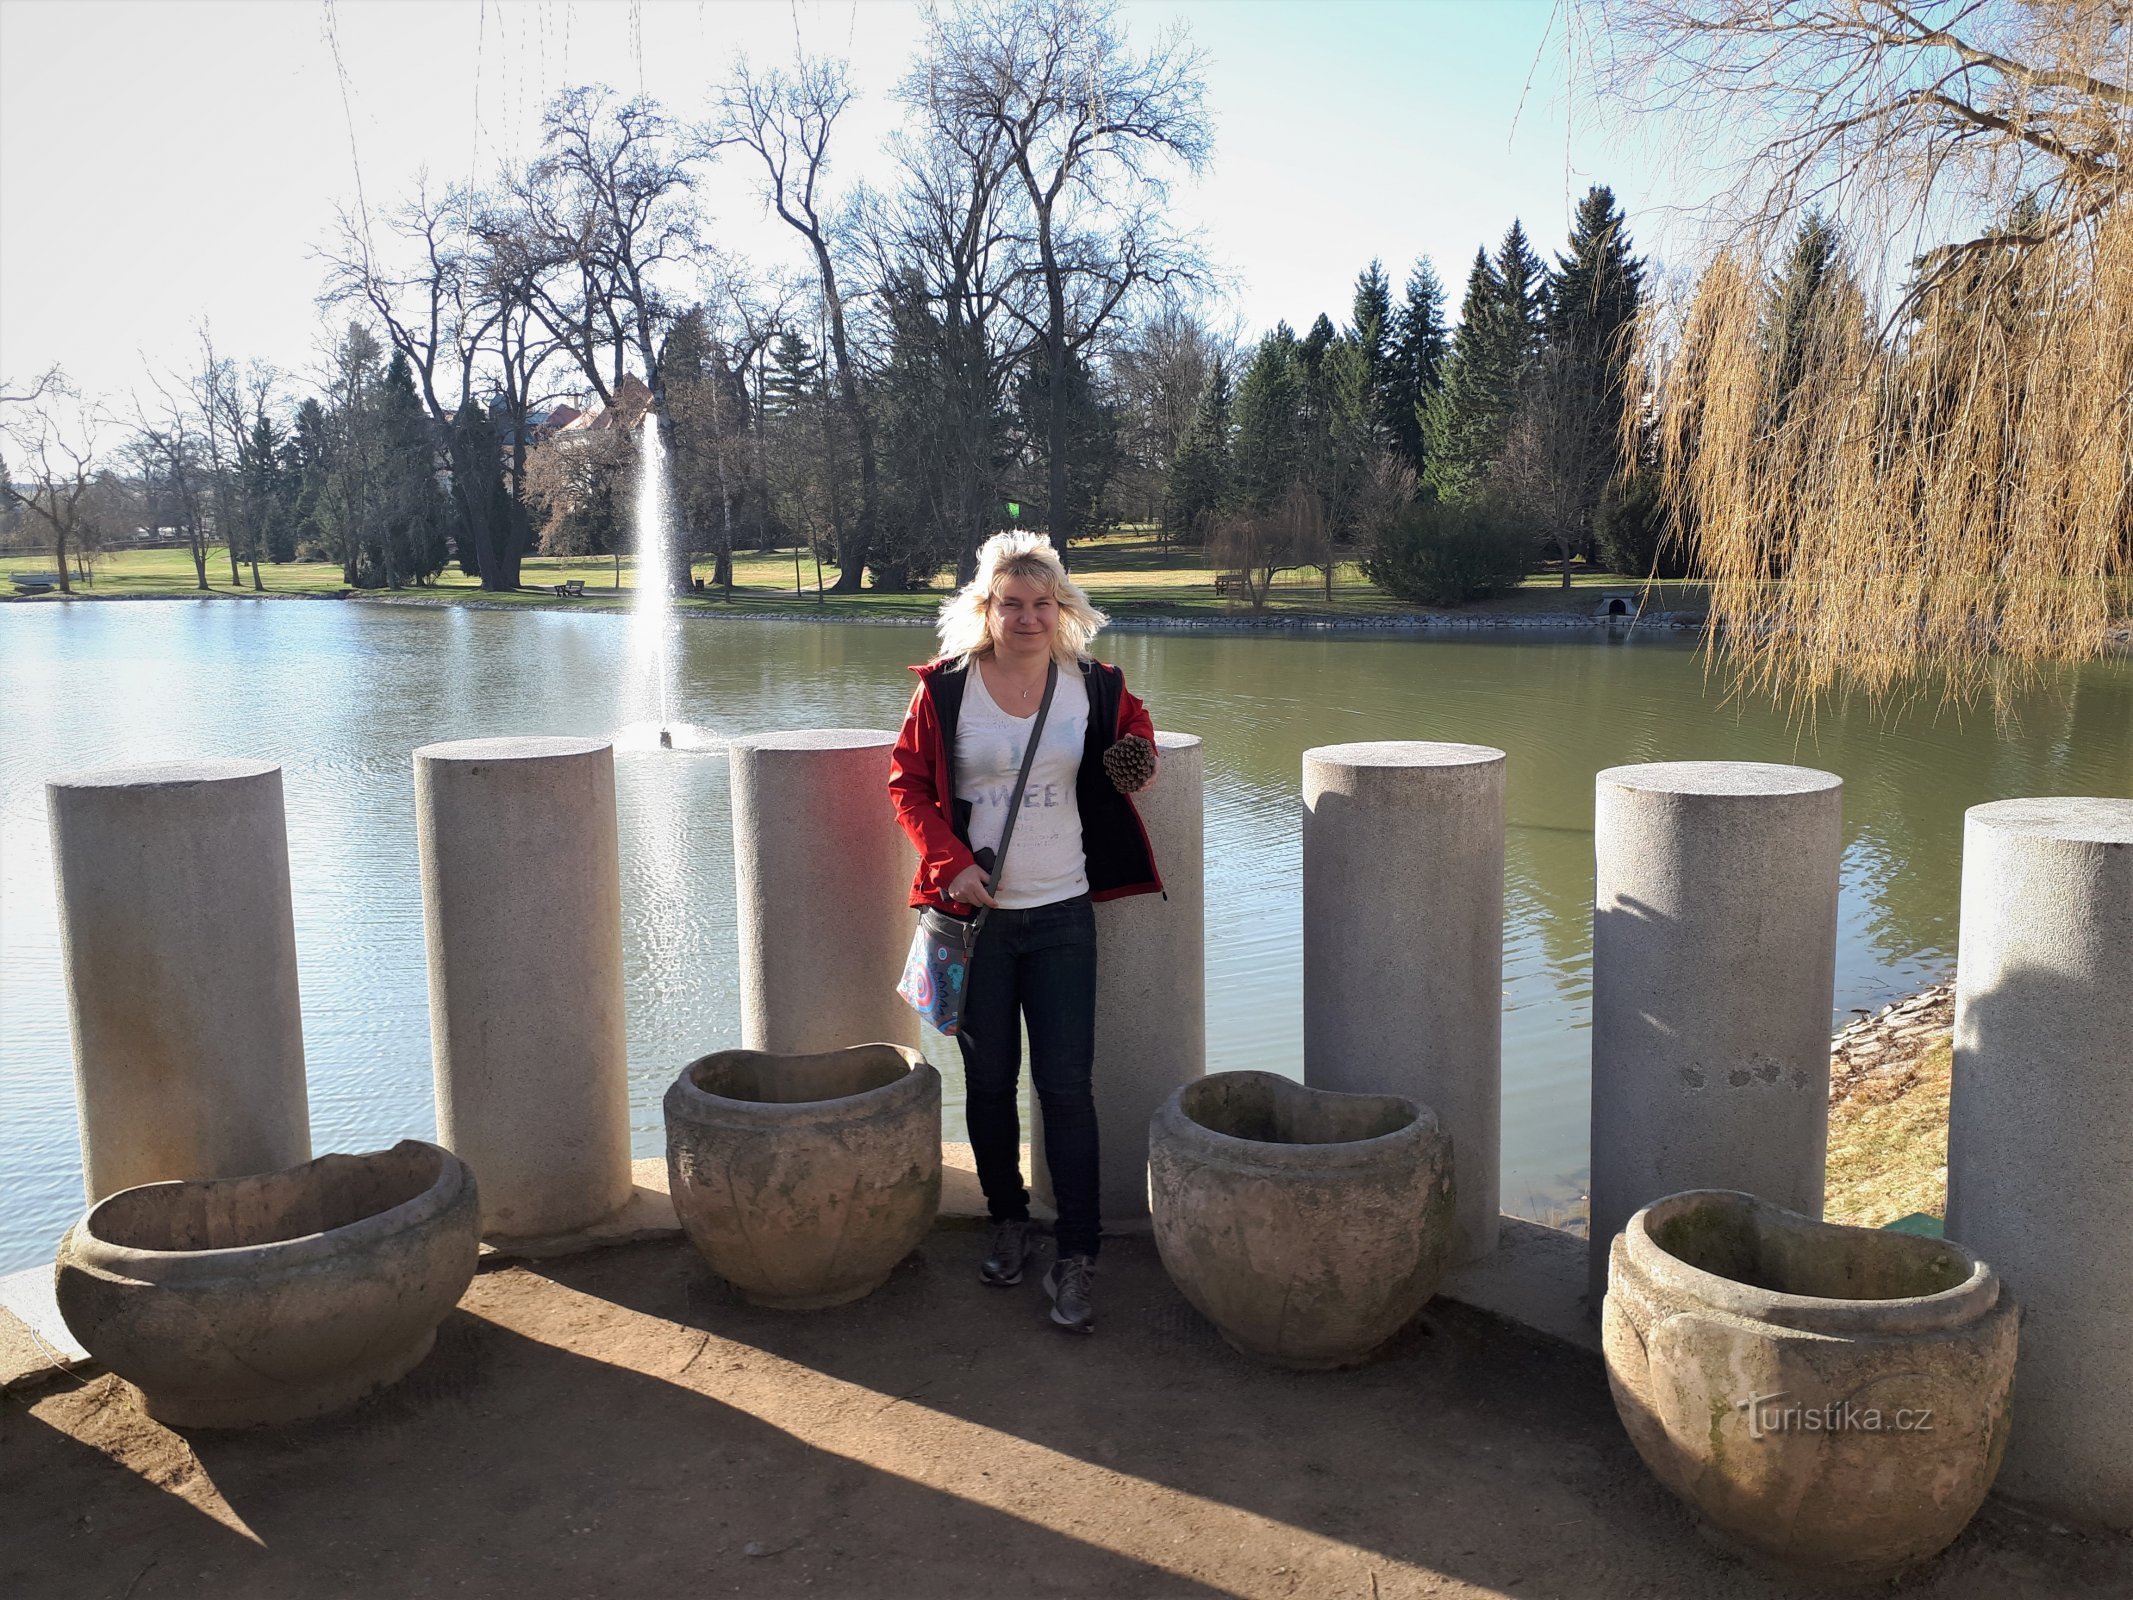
(965, 615)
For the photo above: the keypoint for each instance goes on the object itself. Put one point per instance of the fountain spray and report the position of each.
(654, 606)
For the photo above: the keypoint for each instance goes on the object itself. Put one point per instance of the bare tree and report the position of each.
(1389, 487)
(947, 249)
(61, 437)
(166, 453)
(1895, 114)
(460, 303)
(610, 199)
(1159, 367)
(1260, 547)
(604, 218)
(30, 392)
(711, 406)
(1542, 474)
(786, 120)
(219, 392)
(1090, 130)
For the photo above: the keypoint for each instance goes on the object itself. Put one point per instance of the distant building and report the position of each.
(632, 404)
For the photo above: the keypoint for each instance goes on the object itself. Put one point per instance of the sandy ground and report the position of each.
(618, 1424)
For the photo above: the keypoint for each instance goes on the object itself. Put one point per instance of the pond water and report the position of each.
(341, 694)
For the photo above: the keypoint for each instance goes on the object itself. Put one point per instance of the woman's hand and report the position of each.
(969, 887)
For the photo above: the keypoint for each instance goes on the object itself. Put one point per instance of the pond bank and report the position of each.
(1122, 619)
(1889, 1075)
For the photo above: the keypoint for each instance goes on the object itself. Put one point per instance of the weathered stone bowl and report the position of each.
(240, 1301)
(1307, 1226)
(1832, 1399)
(804, 1180)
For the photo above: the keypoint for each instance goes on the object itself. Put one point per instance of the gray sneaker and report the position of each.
(1069, 1281)
(1006, 1247)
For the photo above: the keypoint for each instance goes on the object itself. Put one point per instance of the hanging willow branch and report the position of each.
(1881, 496)
(1915, 504)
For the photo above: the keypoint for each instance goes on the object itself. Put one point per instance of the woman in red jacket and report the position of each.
(1076, 840)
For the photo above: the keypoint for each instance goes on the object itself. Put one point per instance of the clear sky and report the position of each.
(165, 163)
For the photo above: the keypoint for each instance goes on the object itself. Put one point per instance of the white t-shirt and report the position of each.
(1044, 859)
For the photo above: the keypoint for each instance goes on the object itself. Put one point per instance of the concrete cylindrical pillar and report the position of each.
(1403, 943)
(2040, 1131)
(1151, 984)
(522, 915)
(823, 876)
(180, 950)
(1714, 952)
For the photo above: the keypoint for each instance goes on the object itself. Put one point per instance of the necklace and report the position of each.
(1025, 693)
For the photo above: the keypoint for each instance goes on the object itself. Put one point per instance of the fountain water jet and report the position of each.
(652, 613)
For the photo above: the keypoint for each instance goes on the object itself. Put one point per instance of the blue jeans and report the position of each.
(1041, 963)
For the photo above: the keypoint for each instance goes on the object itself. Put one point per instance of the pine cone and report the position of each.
(1130, 764)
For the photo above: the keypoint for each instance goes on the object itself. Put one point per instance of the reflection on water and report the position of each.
(342, 694)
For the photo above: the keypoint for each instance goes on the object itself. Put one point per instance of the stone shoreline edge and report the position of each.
(1395, 622)
(2117, 638)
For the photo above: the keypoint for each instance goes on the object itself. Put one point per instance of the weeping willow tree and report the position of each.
(1895, 417)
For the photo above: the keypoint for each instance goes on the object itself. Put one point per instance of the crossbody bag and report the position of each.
(937, 969)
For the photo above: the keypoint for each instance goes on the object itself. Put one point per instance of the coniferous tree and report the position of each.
(687, 373)
(379, 500)
(1798, 305)
(308, 461)
(1419, 342)
(1593, 300)
(1266, 455)
(347, 501)
(909, 394)
(1374, 333)
(1312, 347)
(1524, 277)
(412, 522)
(1463, 422)
(1090, 436)
(1467, 421)
(1199, 474)
(1323, 359)
(795, 375)
(1341, 446)
(1801, 326)
(263, 487)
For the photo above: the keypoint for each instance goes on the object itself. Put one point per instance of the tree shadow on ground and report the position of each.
(502, 1465)
(1465, 1449)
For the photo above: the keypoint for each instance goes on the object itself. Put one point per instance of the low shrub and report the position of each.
(1629, 529)
(1437, 554)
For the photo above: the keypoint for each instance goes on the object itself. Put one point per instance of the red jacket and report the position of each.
(922, 788)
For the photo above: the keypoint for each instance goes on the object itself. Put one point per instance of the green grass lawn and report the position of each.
(1126, 574)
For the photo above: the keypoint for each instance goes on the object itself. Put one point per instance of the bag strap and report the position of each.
(1014, 806)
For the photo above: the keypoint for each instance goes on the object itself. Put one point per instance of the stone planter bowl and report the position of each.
(240, 1301)
(805, 1179)
(1307, 1226)
(1832, 1399)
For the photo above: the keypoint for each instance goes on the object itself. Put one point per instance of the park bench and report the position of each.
(570, 589)
(1232, 583)
(34, 582)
